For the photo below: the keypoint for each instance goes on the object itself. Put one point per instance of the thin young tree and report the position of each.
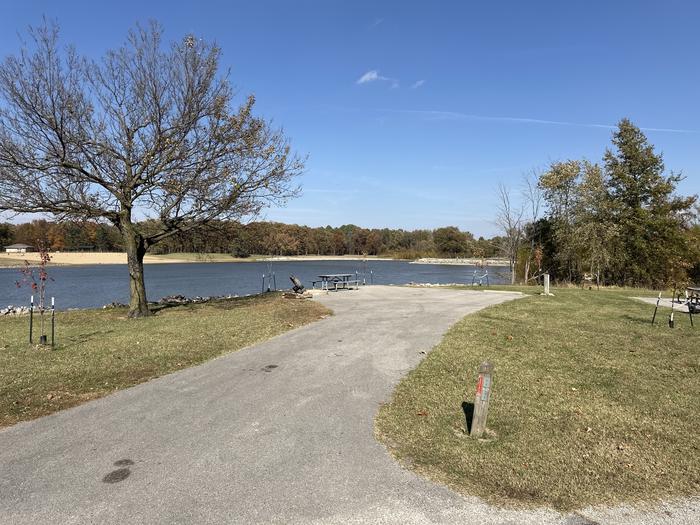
(533, 197)
(150, 131)
(509, 219)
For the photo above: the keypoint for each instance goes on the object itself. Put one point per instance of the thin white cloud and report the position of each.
(454, 115)
(417, 84)
(373, 76)
(370, 76)
(375, 23)
(331, 191)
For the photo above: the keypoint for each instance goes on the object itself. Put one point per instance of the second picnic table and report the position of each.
(334, 281)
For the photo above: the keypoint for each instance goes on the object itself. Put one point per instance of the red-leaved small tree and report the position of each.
(37, 277)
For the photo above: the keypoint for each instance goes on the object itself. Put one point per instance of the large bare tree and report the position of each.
(149, 131)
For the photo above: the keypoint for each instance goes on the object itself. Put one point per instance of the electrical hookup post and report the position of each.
(546, 285)
(484, 385)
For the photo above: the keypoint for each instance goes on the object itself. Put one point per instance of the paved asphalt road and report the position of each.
(277, 433)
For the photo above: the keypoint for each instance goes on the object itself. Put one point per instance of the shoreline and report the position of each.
(16, 260)
(463, 261)
(283, 258)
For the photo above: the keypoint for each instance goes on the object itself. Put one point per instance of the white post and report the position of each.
(546, 285)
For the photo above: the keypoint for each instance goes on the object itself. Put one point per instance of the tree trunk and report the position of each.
(527, 269)
(135, 251)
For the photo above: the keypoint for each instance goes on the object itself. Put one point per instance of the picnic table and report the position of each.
(335, 281)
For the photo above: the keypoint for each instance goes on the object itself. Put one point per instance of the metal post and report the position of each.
(670, 319)
(31, 320)
(263, 285)
(655, 309)
(53, 322)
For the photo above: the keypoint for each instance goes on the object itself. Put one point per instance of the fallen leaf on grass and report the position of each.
(422, 413)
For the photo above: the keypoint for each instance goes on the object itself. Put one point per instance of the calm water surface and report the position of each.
(94, 286)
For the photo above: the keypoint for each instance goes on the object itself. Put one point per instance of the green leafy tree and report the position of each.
(7, 234)
(651, 219)
(592, 230)
(560, 188)
(451, 241)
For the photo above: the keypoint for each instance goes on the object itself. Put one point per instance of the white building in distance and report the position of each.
(19, 248)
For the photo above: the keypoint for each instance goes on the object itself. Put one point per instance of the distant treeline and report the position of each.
(261, 238)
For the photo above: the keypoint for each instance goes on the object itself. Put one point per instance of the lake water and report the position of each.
(94, 286)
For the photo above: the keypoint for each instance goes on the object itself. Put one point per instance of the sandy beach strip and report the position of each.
(92, 258)
(78, 258)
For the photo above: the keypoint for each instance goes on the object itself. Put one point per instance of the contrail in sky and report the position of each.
(454, 115)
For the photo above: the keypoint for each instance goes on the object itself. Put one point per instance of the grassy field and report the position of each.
(100, 351)
(591, 404)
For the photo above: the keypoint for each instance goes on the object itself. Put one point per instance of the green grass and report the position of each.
(100, 351)
(205, 257)
(591, 403)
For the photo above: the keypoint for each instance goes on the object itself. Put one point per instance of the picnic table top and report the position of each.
(694, 289)
(335, 275)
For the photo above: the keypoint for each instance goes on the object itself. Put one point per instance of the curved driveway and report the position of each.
(281, 432)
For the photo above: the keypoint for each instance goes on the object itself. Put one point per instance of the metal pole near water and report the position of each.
(53, 322)
(656, 308)
(31, 320)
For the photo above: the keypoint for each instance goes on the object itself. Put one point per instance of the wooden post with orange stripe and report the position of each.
(481, 401)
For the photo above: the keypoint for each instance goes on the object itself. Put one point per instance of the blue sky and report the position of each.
(412, 112)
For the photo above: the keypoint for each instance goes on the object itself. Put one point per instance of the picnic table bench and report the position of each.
(336, 281)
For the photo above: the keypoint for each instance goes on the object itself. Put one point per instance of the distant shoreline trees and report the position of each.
(261, 238)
